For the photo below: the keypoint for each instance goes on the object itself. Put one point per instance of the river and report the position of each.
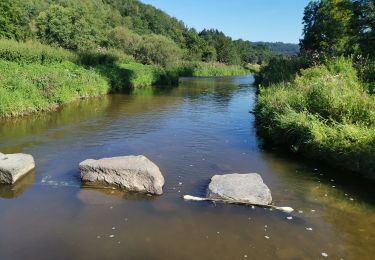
(192, 132)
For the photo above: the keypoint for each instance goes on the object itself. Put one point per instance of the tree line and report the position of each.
(137, 29)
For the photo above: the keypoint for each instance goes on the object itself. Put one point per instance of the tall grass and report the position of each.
(198, 69)
(33, 52)
(28, 88)
(325, 113)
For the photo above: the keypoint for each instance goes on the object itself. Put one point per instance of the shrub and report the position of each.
(159, 50)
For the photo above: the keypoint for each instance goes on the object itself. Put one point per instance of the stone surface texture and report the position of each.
(15, 166)
(248, 188)
(132, 173)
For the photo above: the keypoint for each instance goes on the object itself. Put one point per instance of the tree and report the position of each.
(125, 40)
(364, 25)
(327, 27)
(158, 49)
(13, 22)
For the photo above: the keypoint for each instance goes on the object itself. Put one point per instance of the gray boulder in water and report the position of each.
(132, 173)
(15, 166)
(246, 188)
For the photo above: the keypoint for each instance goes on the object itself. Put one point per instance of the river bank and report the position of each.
(37, 77)
(324, 112)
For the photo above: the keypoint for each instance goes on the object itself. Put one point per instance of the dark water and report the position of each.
(192, 132)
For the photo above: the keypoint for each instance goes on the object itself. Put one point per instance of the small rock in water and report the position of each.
(245, 256)
(300, 211)
(98, 237)
(309, 229)
(267, 237)
(313, 210)
(180, 183)
(351, 199)
(113, 228)
(111, 236)
(290, 218)
(325, 254)
(248, 188)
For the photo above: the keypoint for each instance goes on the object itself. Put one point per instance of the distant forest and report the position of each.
(148, 34)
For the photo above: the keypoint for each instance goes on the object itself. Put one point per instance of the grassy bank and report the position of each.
(28, 88)
(37, 77)
(325, 113)
(202, 69)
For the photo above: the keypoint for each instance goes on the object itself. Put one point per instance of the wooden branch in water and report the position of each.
(284, 209)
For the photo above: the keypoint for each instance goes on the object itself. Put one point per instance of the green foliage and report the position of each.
(68, 27)
(27, 88)
(13, 23)
(327, 26)
(198, 69)
(281, 69)
(325, 113)
(340, 27)
(225, 48)
(33, 52)
(159, 50)
(139, 75)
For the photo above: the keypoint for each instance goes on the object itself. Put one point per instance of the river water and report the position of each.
(192, 132)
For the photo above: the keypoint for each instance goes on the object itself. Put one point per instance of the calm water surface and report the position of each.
(191, 132)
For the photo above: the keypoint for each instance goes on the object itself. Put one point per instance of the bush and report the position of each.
(325, 113)
(33, 52)
(159, 50)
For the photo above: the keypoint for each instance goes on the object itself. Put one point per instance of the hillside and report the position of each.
(127, 25)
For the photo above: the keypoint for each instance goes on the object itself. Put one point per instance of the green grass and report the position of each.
(29, 88)
(199, 69)
(33, 52)
(325, 113)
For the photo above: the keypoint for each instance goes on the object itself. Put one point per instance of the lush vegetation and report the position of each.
(137, 29)
(321, 104)
(118, 43)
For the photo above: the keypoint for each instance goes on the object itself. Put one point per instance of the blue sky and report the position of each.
(255, 20)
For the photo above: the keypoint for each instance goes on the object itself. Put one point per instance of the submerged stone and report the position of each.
(15, 166)
(247, 188)
(132, 173)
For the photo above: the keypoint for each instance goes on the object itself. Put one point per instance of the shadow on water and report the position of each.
(346, 182)
(17, 189)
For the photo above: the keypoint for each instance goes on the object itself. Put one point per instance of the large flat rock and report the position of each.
(248, 188)
(15, 166)
(132, 173)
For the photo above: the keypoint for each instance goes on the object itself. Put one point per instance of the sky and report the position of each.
(254, 20)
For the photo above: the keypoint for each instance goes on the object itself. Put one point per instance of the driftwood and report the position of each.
(284, 209)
